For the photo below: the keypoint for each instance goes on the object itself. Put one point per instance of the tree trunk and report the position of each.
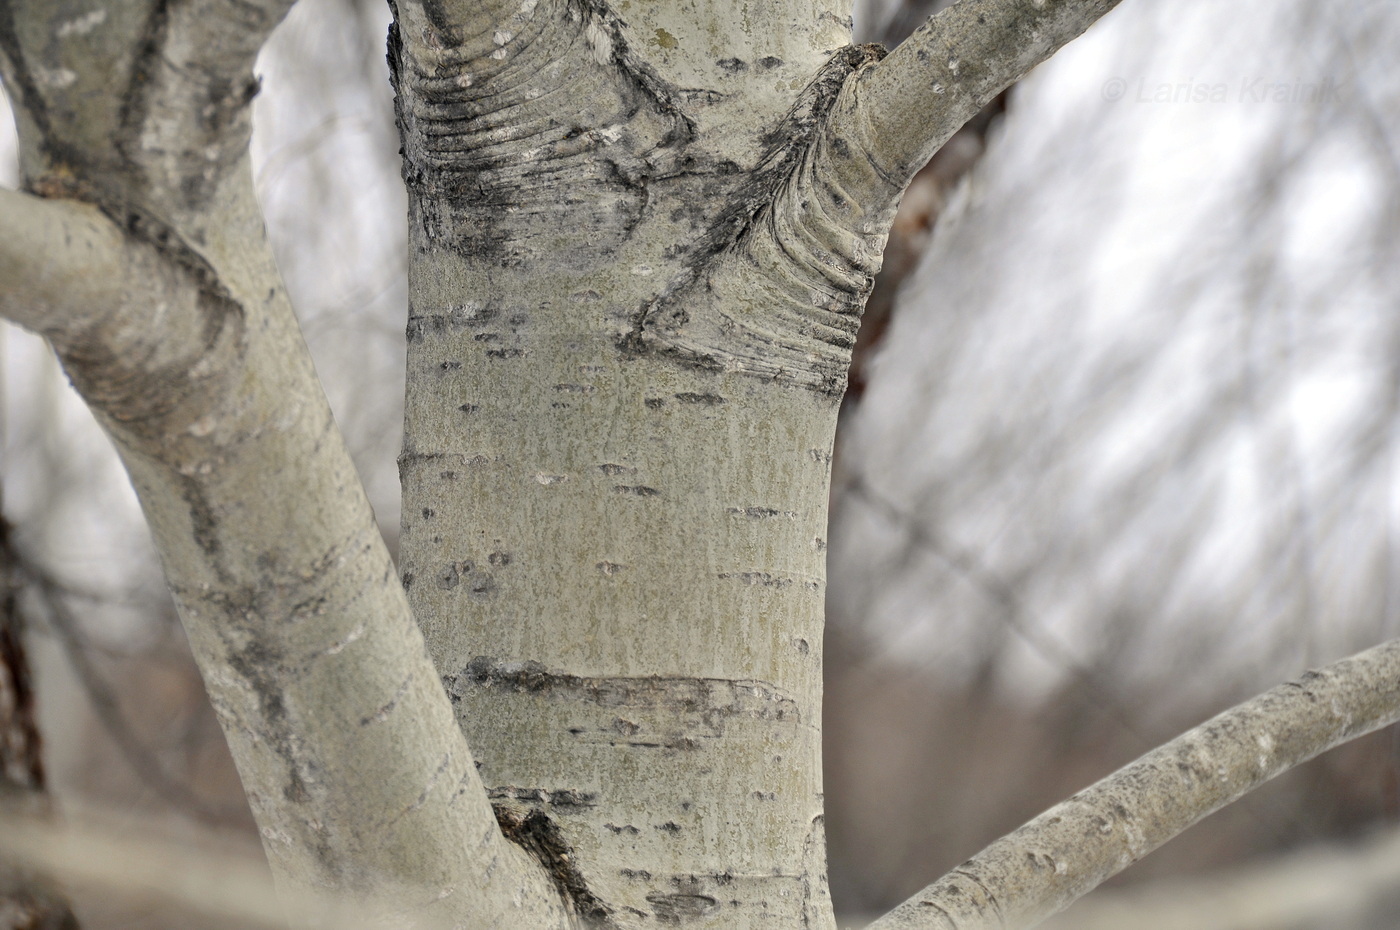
(614, 519)
(640, 240)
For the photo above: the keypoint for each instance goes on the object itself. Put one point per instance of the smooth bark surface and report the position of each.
(1042, 867)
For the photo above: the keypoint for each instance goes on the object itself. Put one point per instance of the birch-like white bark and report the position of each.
(640, 240)
(1042, 867)
(908, 105)
(1324, 885)
(640, 247)
(180, 338)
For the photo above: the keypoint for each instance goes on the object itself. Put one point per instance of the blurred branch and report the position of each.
(1004, 595)
(24, 574)
(1336, 888)
(1047, 864)
(26, 901)
(107, 706)
(21, 755)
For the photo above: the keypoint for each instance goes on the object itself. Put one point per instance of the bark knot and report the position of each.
(537, 834)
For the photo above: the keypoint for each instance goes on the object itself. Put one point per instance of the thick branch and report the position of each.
(360, 779)
(348, 749)
(358, 775)
(171, 320)
(1045, 865)
(143, 105)
(61, 261)
(938, 78)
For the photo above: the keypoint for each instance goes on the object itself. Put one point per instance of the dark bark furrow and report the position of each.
(549, 121)
(781, 293)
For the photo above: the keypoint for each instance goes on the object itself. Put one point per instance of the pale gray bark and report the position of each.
(640, 242)
(1042, 867)
(181, 339)
(1322, 887)
(635, 279)
(939, 77)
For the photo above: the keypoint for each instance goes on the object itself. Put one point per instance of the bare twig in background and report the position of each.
(27, 902)
(51, 595)
(1010, 610)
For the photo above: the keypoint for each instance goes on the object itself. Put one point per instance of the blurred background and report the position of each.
(1119, 451)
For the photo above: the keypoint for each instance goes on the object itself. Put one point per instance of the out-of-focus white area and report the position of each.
(1134, 413)
(325, 156)
(1126, 453)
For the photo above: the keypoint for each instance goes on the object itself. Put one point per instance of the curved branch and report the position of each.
(348, 749)
(60, 261)
(358, 775)
(1042, 867)
(938, 78)
(1349, 887)
(145, 107)
(178, 334)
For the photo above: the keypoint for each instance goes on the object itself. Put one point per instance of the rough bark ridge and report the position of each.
(615, 513)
